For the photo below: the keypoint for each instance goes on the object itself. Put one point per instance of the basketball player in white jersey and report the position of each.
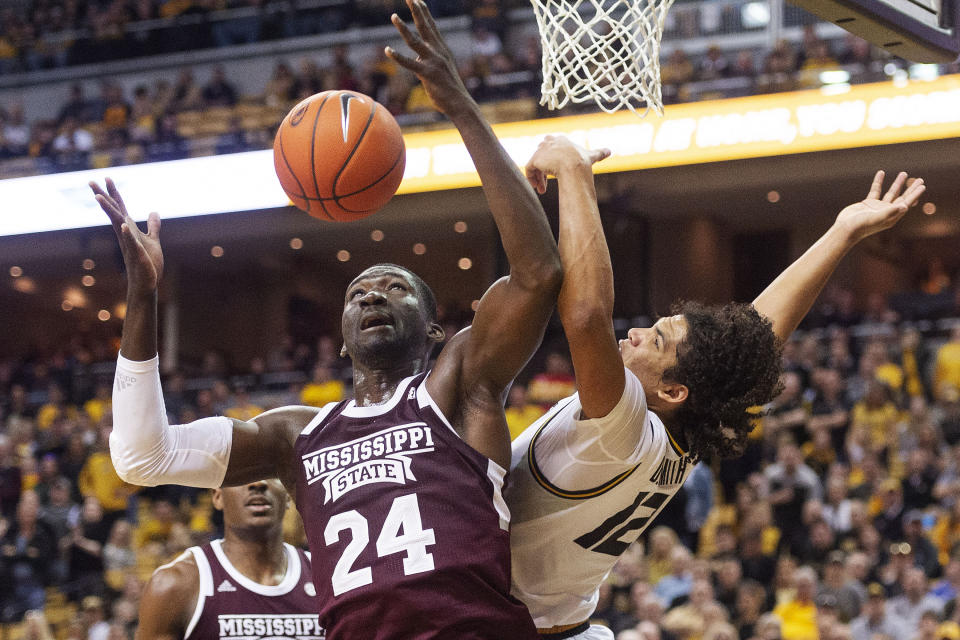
(590, 475)
(248, 585)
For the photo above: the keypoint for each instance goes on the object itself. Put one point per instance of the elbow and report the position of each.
(585, 318)
(129, 472)
(545, 277)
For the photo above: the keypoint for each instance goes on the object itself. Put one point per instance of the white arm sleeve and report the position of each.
(146, 450)
(580, 454)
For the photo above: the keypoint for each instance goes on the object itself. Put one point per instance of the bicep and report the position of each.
(167, 602)
(506, 330)
(263, 447)
(597, 365)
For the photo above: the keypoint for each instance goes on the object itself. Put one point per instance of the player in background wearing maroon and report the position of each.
(591, 474)
(399, 488)
(250, 584)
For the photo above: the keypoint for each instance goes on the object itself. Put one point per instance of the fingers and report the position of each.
(895, 188)
(404, 61)
(874, 193)
(599, 154)
(115, 194)
(153, 225)
(537, 179)
(423, 20)
(110, 208)
(413, 40)
(912, 195)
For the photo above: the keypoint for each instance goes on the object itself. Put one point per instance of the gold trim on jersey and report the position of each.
(673, 443)
(557, 491)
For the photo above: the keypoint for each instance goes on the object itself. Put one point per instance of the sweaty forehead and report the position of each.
(381, 272)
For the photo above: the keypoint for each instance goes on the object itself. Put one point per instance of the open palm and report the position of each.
(142, 254)
(876, 213)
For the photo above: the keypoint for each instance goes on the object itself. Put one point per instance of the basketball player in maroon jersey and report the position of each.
(248, 585)
(399, 488)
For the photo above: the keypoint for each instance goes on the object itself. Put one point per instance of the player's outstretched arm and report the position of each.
(512, 316)
(145, 449)
(168, 600)
(585, 304)
(788, 298)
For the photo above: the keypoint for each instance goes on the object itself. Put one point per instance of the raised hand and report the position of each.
(556, 154)
(434, 64)
(875, 213)
(142, 254)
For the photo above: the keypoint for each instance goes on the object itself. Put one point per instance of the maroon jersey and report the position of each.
(407, 526)
(231, 605)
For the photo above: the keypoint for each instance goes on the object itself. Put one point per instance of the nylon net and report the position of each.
(607, 51)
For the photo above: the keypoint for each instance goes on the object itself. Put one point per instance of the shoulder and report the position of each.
(287, 421)
(176, 583)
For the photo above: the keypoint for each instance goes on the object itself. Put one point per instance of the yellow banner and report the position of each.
(751, 127)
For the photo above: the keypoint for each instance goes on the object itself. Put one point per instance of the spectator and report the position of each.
(76, 106)
(688, 619)
(924, 553)
(915, 599)
(555, 383)
(946, 376)
(26, 548)
(798, 616)
(168, 143)
(877, 619)
(16, 132)
(948, 588)
(187, 95)
(714, 65)
(219, 92)
(322, 389)
(847, 599)
(118, 555)
(84, 548)
(677, 584)
(99, 480)
(519, 412)
(55, 408)
(889, 520)
(792, 483)
(10, 478)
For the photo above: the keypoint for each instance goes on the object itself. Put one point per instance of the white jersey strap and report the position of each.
(206, 586)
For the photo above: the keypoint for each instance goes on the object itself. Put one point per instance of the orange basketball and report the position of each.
(339, 155)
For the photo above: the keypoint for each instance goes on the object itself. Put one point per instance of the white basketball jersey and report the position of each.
(576, 507)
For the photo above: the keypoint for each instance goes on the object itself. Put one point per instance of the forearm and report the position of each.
(524, 232)
(139, 339)
(788, 298)
(146, 450)
(587, 273)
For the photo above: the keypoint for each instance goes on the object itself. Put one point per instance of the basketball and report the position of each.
(339, 155)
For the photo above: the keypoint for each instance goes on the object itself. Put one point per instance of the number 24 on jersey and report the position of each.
(404, 514)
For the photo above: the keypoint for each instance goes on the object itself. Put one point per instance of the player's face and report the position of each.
(259, 504)
(651, 351)
(383, 317)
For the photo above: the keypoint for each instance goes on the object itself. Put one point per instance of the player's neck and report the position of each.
(262, 559)
(375, 386)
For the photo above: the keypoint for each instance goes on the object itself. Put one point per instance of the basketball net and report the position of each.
(607, 51)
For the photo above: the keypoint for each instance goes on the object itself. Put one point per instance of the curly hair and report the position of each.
(729, 361)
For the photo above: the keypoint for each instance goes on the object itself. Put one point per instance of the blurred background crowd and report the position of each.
(841, 521)
(102, 123)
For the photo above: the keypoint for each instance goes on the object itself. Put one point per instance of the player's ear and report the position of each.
(343, 351)
(218, 499)
(435, 332)
(673, 393)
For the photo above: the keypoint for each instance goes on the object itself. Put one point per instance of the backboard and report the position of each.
(915, 30)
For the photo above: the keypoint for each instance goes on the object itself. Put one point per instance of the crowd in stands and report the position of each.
(840, 522)
(180, 117)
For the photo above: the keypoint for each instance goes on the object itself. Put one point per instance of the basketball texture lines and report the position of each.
(339, 155)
